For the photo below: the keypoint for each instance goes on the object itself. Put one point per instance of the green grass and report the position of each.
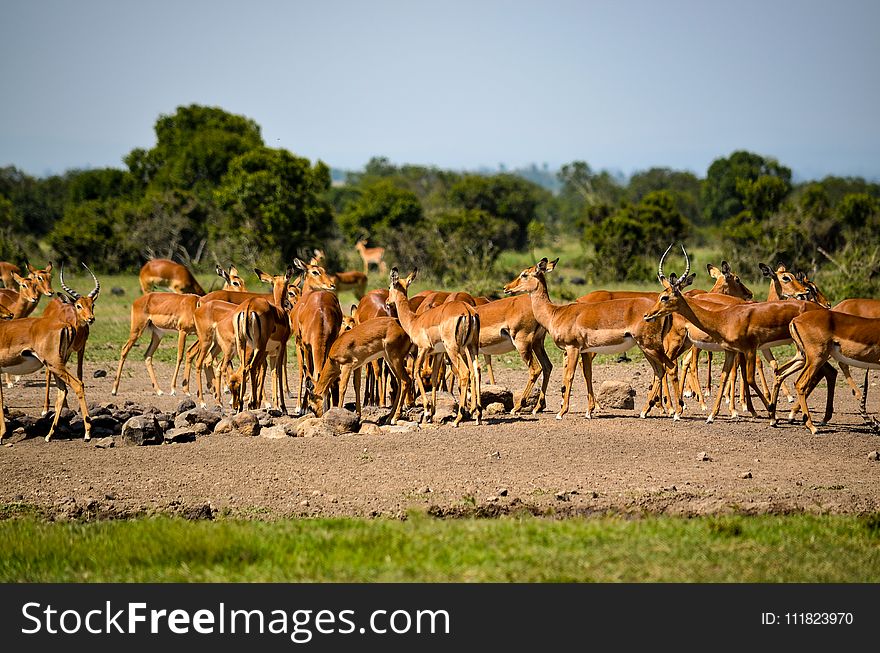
(797, 548)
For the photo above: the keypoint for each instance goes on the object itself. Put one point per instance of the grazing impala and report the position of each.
(30, 343)
(371, 255)
(451, 328)
(163, 272)
(381, 337)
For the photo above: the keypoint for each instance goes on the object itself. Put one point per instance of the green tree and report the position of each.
(627, 244)
(194, 148)
(95, 232)
(582, 191)
(762, 196)
(381, 208)
(683, 186)
(100, 184)
(507, 197)
(272, 201)
(858, 210)
(723, 190)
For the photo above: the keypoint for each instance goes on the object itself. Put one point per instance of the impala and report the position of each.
(30, 343)
(453, 329)
(161, 313)
(607, 327)
(381, 337)
(66, 311)
(371, 255)
(743, 329)
(231, 279)
(263, 328)
(163, 272)
(848, 339)
(315, 320)
(24, 301)
(6, 271)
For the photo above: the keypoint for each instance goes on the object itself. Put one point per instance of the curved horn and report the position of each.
(663, 258)
(94, 293)
(68, 290)
(687, 262)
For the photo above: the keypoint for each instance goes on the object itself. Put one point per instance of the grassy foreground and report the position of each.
(798, 548)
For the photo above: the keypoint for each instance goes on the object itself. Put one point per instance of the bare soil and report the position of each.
(615, 463)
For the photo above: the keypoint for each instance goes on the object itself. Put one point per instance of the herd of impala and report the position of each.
(419, 337)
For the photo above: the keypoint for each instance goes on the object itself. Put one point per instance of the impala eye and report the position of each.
(786, 279)
(664, 299)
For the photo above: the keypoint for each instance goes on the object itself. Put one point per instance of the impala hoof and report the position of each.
(643, 415)
(790, 400)
(48, 437)
(710, 419)
(558, 415)
(159, 393)
(172, 393)
(113, 392)
(676, 417)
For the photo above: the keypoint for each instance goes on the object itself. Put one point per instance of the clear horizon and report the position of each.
(462, 86)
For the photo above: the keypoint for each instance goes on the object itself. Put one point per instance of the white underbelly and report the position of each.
(498, 348)
(371, 358)
(625, 345)
(775, 343)
(707, 345)
(26, 365)
(840, 358)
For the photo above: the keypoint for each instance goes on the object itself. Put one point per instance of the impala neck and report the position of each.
(700, 317)
(542, 307)
(405, 313)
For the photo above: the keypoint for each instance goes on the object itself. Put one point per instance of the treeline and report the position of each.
(212, 191)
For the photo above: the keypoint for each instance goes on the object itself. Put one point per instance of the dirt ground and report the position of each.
(615, 462)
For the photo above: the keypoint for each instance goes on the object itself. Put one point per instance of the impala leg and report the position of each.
(133, 337)
(181, 347)
(187, 366)
(343, 384)
(357, 392)
(782, 372)
(46, 399)
(530, 359)
(63, 379)
(489, 370)
(473, 363)
(587, 363)
(155, 338)
(417, 369)
(729, 361)
(462, 371)
(546, 369)
(572, 355)
(2, 416)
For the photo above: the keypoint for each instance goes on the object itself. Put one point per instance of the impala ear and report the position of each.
(221, 273)
(684, 282)
(412, 276)
(64, 298)
(288, 273)
(233, 271)
(354, 308)
(49, 267)
(262, 276)
(725, 268)
(299, 264)
(552, 265)
(713, 271)
(765, 270)
(395, 275)
(18, 279)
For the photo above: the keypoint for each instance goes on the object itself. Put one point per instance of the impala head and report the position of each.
(43, 278)
(398, 289)
(816, 295)
(727, 282)
(231, 279)
(84, 306)
(348, 321)
(280, 286)
(670, 299)
(786, 283)
(28, 288)
(528, 279)
(315, 277)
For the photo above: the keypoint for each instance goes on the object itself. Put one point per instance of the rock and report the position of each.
(195, 415)
(341, 420)
(425, 490)
(495, 408)
(108, 422)
(369, 428)
(181, 434)
(224, 426)
(704, 457)
(100, 374)
(116, 291)
(746, 475)
(492, 394)
(400, 427)
(561, 496)
(273, 432)
(244, 424)
(187, 403)
(314, 427)
(289, 424)
(446, 408)
(616, 394)
(874, 455)
(495, 454)
(375, 414)
(502, 492)
(105, 443)
(141, 430)
(200, 428)
(265, 419)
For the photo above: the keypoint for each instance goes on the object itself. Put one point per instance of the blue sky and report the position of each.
(623, 85)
